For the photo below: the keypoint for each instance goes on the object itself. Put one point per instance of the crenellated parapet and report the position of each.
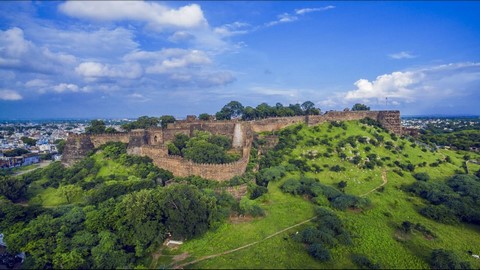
(153, 141)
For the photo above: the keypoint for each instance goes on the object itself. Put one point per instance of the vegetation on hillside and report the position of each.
(235, 109)
(462, 140)
(203, 147)
(110, 210)
(357, 173)
(355, 194)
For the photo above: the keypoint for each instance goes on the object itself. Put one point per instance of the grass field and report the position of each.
(375, 230)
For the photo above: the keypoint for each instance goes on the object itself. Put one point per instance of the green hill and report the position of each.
(336, 195)
(375, 165)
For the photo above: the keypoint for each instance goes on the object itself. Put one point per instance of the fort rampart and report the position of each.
(152, 142)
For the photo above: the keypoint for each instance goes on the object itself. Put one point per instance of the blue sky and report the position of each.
(127, 59)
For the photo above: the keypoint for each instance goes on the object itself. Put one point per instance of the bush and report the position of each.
(363, 262)
(337, 168)
(292, 186)
(439, 213)
(249, 207)
(445, 259)
(423, 176)
(257, 191)
(318, 252)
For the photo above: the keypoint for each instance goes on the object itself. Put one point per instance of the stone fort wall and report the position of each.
(152, 142)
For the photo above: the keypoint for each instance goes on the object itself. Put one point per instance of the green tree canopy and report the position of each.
(165, 119)
(204, 116)
(143, 122)
(96, 127)
(232, 110)
(29, 141)
(360, 107)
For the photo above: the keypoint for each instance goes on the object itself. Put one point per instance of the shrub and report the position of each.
(445, 259)
(337, 168)
(257, 191)
(363, 262)
(423, 176)
(292, 186)
(318, 252)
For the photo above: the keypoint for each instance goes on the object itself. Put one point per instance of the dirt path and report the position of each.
(385, 181)
(42, 164)
(180, 266)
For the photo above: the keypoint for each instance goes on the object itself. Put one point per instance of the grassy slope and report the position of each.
(374, 230)
(51, 197)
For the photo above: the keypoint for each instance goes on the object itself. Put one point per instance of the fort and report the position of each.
(152, 142)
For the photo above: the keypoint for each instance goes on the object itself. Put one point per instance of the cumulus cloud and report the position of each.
(96, 43)
(18, 53)
(37, 83)
(66, 87)
(402, 55)
(178, 59)
(9, 95)
(156, 15)
(426, 85)
(93, 70)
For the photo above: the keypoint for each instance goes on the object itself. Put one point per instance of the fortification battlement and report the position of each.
(152, 142)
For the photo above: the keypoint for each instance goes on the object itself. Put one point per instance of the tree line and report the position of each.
(232, 110)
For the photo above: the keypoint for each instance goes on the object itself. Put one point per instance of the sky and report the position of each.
(124, 59)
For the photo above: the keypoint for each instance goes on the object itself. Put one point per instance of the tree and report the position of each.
(96, 127)
(143, 122)
(444, 259)
(204, 116)
(249, 113)
(308, 108)
(12, 188)
(108, 254)
(264, 110)
(69, 192)
(407, 226)
(15, 152)
(165, 119)
(111, 130)
(180, 141)
(319, 252)
(360, 107)
(205, 152)
(233, 109)
(29, 141)
(422, 176)
(342, 185)
(60, 145)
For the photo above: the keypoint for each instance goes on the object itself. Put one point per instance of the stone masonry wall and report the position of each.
(100, 139)
(151, 142)
(76, 148)
(277, 123)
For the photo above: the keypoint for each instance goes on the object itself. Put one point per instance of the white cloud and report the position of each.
(282, 18)
(98, 43)
(181, 36)
(402, 55)
(178, 59)
(66, 87)
(93, 70)
(308, 10)
(20, 54)
(9, 95)
(232, 29)
(425, 85)
(287, 17)
(36, 83)
(156, 15)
